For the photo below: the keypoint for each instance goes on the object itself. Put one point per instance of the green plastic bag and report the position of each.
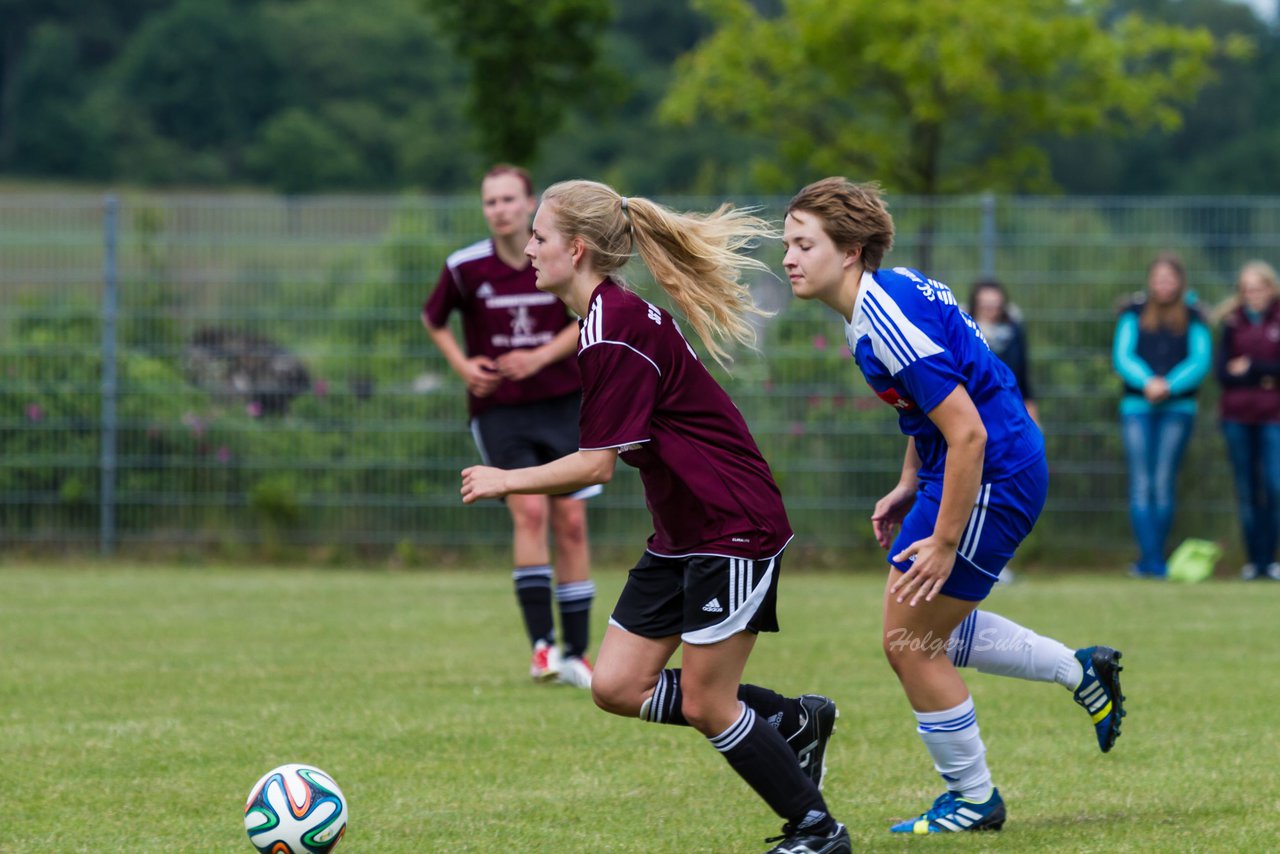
(1193, 560)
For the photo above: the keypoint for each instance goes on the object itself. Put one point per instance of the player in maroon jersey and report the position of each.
(709, 575)
(523, 392)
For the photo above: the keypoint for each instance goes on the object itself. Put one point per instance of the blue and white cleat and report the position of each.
(1099, 692)
(951, 813)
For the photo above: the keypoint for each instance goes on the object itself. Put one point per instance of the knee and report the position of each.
(1139, 482)
(569, 524)
(894, 655)
(710, 711)
(696, 711)
(903, 651)
(614, 695)
(530, 516)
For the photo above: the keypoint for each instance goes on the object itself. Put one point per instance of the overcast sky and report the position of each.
(1266, 8)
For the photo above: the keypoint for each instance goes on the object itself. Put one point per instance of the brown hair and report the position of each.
(988, 285)
(1174, 315)
(508, 169)
(695, 258)
(852, 215)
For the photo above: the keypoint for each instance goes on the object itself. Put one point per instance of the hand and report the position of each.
(483, 482)
(520, 364)
(934, 560)
(480, 373)
(1156, 389)
(1239, 366)
(889, 513)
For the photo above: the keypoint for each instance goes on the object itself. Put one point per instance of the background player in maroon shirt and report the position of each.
(709, 576)
(523, 392)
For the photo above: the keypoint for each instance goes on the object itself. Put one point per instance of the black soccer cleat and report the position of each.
(798, 841)
(1099, 692)
(809, 742)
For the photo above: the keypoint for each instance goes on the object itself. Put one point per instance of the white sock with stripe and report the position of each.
(997, 645)
(958, 752)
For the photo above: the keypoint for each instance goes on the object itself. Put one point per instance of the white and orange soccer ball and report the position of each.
(295, 809)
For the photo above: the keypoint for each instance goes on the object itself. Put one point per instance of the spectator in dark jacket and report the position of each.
(1162, 351)
(1001, 324)
(1248, 366)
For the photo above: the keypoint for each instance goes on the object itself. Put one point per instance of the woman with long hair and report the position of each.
(1248, 366)
(1162, 351)
(1001, 324)
(708, 577)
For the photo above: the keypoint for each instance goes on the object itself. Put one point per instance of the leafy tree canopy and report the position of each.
(528, 62)
(935, 96)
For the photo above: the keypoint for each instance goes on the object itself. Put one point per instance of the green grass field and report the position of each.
(138, 705)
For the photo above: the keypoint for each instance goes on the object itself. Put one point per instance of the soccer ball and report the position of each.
(295, 809)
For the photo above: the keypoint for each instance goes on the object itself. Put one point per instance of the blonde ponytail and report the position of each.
(696, 258)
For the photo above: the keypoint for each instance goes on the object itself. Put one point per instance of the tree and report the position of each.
(203, 75)
(49, 50)
(617, 136)
(528, 62)
(1227, 141)
(935, 96)
(372, 97)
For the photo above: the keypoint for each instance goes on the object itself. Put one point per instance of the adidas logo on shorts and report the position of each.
(713, 607)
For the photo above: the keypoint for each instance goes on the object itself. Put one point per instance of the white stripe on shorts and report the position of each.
(973, 533)
(744, 600)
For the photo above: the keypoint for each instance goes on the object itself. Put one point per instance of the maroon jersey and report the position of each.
(1254, 396)
(502, 310)
(645, 393)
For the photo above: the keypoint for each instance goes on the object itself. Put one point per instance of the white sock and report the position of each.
(994, 644)
(958, 752)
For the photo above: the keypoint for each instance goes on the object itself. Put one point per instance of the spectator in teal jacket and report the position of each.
(1162, 351)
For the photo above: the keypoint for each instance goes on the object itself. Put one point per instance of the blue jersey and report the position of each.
(914, 346)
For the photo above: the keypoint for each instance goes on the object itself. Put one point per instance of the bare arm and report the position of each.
(893, 508)
(524, 363)
(966, 436)
(478, 372)
(567, 474)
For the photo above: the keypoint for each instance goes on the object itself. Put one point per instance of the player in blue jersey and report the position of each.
(973, 482)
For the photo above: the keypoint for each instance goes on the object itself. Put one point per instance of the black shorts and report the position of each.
(530, 434)
(703, 598)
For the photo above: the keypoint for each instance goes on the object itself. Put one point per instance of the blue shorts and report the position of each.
(1002, 517)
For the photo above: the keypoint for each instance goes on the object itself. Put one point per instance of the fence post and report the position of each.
(109, 425)
(988, 238)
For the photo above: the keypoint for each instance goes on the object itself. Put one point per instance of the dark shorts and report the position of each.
(703, 598)
(1002, 517)
(531, 434)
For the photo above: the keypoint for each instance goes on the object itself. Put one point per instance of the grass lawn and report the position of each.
(138, 706)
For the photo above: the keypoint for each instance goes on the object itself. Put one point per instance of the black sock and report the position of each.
(575, 600)
(762, 758)
(533, 592)
(782, 713)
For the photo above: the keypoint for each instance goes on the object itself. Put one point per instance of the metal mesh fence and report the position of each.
(238, 372)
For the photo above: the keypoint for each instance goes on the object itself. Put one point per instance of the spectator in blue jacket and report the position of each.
(1162, 352)
(1248, 366)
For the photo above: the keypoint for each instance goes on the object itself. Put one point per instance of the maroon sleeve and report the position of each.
(444, 300)
(619, 394)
